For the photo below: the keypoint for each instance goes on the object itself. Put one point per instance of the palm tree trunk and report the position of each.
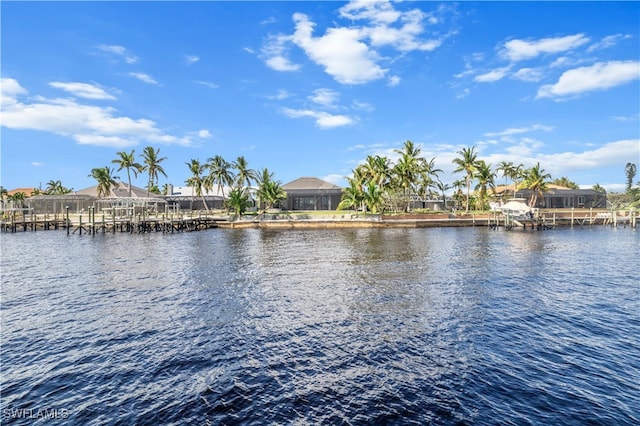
(129, 179)
(468, 194)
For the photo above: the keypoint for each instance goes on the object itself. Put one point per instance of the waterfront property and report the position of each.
(558, 197)
(310, 193)
(185, 198)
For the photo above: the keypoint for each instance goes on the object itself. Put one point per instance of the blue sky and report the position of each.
(312, 88)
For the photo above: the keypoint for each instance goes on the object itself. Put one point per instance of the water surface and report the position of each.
(387, 326)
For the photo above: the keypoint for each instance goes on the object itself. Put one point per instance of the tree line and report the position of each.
(204, 176)
(375, 185)
(381, 185)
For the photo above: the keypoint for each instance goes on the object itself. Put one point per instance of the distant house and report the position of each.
(120, 190)
(117, 200)
(310, 193)
(558, 197)
(185, 198)
(26, 191)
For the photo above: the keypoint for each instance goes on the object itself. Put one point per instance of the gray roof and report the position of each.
(310, 183)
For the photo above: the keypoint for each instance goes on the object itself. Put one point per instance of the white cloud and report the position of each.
(204, 134)
(280, 63)
(334, 179)
(325, 97)
(608, 41)
(493, 75)
(463, 93)
(37, 164)
(378, 12)
(518, 130)
(83, 90)
(191, 59)
(86, 124)
(209, 84)
(609, 154)
(143, 77)
(10, 89)
(528, 74)
(324, 120)
(340, 51)
(393, 81)
(404, 38)
(281, 95)
(382, 15)
(102, 140)
(119, 51)
(566, 62)
(518, 50)
(356, 147)
(599, 76)
(363, 106)
(349, 53)
(635, 117)
(275, 52)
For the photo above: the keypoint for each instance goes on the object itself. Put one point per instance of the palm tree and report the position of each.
(457, 186)
(443, 187)
(485, 177)
(515, 175)
(55, 187)
(408, 168)
(128, 161)
(506, 167)
(197, 179)
(427, 173)
(269, 191)
(220, 173)
(535, 179)
(467, 163)
(244, 173)
(264, 181)
(565, 182)
(377, 170)
(17, 198)
(151, 159)
(630, 171)
(352, 195)
(598, 188)
(372, 197)
(238, 200)
(105, 179)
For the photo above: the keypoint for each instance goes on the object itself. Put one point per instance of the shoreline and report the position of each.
(193, 222)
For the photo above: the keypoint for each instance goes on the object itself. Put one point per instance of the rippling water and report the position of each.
(369, 326)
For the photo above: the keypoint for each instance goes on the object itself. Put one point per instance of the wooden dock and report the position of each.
(88, 224)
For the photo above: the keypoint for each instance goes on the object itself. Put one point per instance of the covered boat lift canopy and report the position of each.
(516, 207)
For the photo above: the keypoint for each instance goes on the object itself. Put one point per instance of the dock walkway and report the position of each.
(78, 224)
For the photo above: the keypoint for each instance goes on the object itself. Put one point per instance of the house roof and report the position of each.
(310, 183)
(118, 191)
(551, 189)
(27, 191)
